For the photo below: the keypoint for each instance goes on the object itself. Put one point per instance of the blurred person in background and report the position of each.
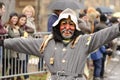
(52, 18)
(2, 11)
(2, 32)
(13, 32)
(98, 55)
(84, 23)
(93, 16)
(101, 25)
(29, 11)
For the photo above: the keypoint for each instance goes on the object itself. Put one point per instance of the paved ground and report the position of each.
(113, 69)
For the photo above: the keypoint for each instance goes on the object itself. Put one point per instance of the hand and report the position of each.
(25, 34)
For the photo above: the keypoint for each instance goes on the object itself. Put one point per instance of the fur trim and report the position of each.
(46, 39)
(74, 42)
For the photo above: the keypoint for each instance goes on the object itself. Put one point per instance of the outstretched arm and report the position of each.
(24, 45)
(104, 36)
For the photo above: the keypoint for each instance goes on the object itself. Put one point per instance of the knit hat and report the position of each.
(65, 14)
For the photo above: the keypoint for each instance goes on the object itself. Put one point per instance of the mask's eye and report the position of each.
(71, 23)
(63, 22)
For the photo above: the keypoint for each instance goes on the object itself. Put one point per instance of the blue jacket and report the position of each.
(98, 54)
(52, 18)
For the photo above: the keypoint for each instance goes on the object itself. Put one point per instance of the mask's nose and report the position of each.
(67, 26)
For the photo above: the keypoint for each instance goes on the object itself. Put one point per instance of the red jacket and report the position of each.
(2, 30)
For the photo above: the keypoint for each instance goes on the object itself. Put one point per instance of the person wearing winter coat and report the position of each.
(97, 56)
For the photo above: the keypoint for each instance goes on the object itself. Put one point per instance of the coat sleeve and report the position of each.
(103, 36)
(10, 32)
(24, 45)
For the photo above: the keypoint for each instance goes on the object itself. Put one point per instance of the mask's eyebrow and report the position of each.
(63, 19)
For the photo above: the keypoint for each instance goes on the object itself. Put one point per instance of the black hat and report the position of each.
(103, 18)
